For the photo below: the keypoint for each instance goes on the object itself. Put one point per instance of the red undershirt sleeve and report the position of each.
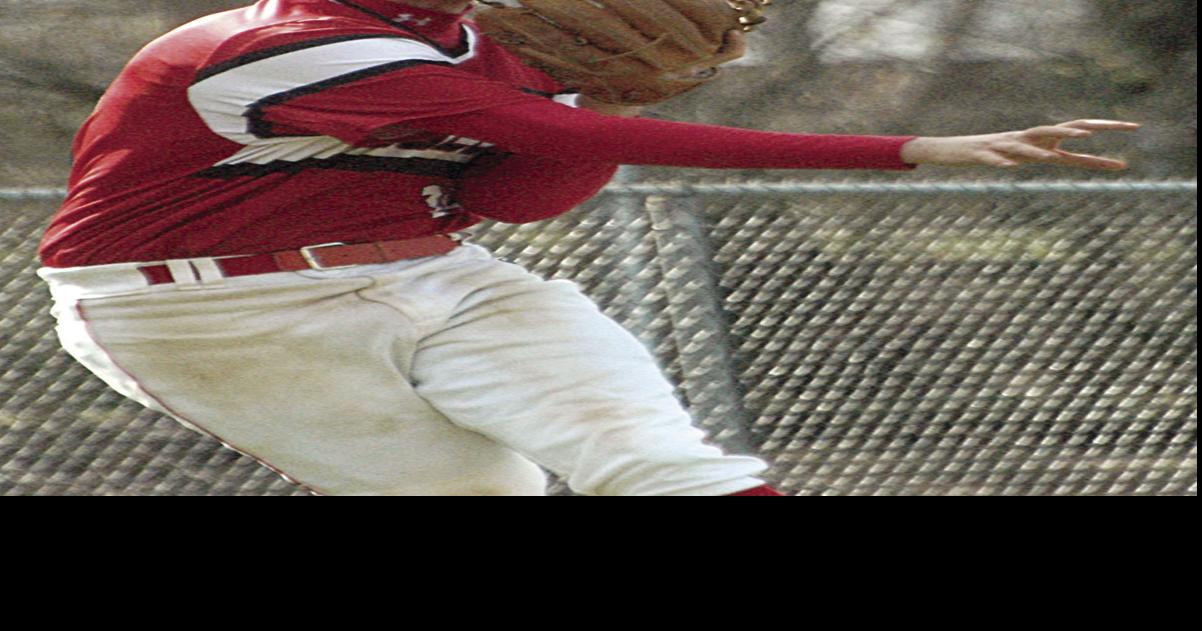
(451, 101)
(555, 131)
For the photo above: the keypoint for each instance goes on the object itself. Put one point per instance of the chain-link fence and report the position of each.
(957, 338)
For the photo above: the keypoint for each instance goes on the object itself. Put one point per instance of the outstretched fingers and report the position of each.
(1042, 144)
(1087, 161)
(1076, 129)
(1016, 153)
(1026, 152)
(1093, 125)
(1038, 145)
(1055, 132)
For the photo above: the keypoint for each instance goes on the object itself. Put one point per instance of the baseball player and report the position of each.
(263, 239)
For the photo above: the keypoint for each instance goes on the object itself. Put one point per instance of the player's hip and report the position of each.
(194, 295)
(248, 270)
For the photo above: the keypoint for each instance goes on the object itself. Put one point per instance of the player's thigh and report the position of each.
(537, 366)
(516, 346)
(316, 393)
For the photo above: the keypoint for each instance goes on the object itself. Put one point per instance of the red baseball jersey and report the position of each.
(299, 122)
(181, 158)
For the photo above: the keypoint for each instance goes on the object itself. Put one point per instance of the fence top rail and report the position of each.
(683, 189)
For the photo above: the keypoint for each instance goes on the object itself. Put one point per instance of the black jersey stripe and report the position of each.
(268, 53)
(360, 164)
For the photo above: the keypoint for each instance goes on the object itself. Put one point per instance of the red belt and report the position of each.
(318, 257)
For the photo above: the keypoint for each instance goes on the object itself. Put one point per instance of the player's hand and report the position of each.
(1038, 145)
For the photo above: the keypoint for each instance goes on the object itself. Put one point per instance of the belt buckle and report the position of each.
(307, 254)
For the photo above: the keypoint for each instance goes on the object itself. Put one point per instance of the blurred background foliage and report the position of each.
(835, 66)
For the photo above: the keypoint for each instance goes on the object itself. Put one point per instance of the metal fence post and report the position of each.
(700, 326)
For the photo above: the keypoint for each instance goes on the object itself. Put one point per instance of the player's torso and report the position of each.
(166, 169)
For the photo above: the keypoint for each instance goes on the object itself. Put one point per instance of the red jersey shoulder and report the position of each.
(216, 43)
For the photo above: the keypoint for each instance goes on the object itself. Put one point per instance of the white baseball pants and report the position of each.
(450, 375)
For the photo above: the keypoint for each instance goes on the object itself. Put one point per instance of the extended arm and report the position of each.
(459, 103)
(446, 100)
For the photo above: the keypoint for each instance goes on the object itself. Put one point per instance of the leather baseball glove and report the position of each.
(624, 52)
